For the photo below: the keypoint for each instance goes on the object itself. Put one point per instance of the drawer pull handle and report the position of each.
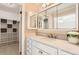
(40, 52)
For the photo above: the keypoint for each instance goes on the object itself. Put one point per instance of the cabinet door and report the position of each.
(35, 51)
(66, 16)
(48, 49)
(61, 52)
(29, 46)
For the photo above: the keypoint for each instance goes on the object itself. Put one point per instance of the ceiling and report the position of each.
(16, 7)
(10, 7)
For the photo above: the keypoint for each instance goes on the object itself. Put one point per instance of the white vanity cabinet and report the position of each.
(49, 50)
(38, 48)
(33, 50)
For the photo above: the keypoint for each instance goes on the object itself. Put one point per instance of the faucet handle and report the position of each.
(50, 35)
(54, 35)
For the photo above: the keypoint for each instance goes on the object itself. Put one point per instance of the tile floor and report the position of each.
(12, 49)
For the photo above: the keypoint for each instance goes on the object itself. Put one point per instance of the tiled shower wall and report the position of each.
(9, 31)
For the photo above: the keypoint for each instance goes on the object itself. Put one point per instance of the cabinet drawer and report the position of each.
(61, 52)
(48, 49)
(37, 51)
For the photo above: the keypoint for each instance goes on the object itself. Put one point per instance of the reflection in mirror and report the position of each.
(33, 21)
(52, 17)
(62, 16)
(46, 23)
(39, 22)
(66, 16)
(46, 20)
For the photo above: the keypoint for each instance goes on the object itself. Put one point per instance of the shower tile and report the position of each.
(14, 38)
(15, 26)
(15, 34)
(9, 30)
(9, 22)
(3, 35)
(3, 25)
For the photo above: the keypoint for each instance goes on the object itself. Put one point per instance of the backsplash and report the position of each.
(8, 30)
(53, 35)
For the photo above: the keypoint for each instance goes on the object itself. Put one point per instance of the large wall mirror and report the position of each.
(66, 16)
(62, 16)
(33, 21)
(39, 22)
(52, 17)
(43, 20)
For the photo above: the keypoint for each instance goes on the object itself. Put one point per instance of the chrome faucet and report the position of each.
(52, 36)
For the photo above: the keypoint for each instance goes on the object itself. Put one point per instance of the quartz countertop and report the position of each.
(58, 43)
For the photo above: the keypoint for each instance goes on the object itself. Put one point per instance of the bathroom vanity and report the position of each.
(61, 18)
(38, 45)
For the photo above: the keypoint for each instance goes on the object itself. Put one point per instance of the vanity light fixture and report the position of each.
(44, 5)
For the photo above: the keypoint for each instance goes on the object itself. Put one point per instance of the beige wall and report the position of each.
(33, 7)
